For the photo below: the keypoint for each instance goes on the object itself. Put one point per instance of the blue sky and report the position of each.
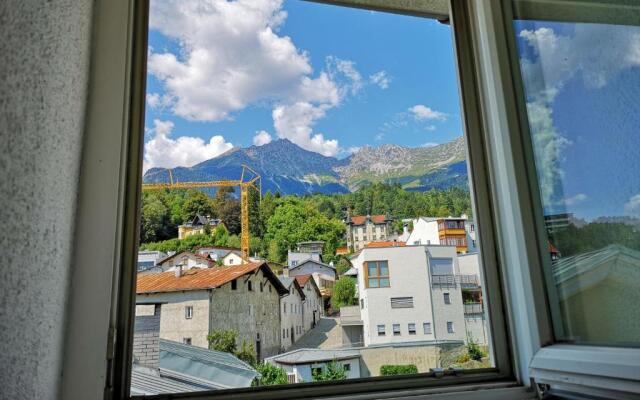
(413, 102)
(582, 85)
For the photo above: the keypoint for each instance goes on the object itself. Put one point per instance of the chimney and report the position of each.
(146, 336)
(405, 230)
(179, 270)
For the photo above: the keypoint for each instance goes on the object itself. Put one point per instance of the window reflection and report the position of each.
(582, 86)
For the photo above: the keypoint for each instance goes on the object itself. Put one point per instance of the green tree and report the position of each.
(342, 265)
(344, 293)
(332, 372)
(387, 370)
(153, 220)
(197, 202)
(269, 375)
(223, 340)
(246, 353)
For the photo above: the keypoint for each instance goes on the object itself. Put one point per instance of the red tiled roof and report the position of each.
(303, 279)
(200, 278)
(342, 250)
(385, 243)
(360, 219)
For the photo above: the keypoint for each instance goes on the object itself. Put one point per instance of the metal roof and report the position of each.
(307, 356)
(216, 368)
(147, 381)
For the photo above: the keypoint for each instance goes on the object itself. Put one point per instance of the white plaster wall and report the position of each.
(173, 324)
(291, 318)
(408, 274)
(232, 259)
(44, 72)
(469, 264)
(424, 232)
(313, 302)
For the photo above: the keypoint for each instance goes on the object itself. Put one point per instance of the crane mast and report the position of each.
(248, 179)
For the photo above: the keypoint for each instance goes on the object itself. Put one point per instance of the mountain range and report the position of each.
(290, 169)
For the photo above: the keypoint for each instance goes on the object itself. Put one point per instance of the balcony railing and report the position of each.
(473, 309)
(465, 281)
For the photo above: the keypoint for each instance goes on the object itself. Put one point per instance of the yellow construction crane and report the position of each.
(249, 178)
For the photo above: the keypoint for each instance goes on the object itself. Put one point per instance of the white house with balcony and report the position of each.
(410, 294)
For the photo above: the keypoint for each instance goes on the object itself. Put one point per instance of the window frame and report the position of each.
(126, 102)
(188, 312)
(378, 277)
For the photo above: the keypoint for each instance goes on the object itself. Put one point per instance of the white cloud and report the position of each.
(231, 55)
(379, 136)
(632, 207)
(165, 152)
(156, 100)
(424, 113)
(594, 52)
(430, 128)
(353, 149)
(261, 138)
(381, 79)
(348, 69)
(429, 144)
(579, 198)
(295, 122)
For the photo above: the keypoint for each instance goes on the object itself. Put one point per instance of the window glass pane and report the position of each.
(582, 88)
(323, 163)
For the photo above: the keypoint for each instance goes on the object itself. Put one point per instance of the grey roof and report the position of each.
(312, 261)
(351, 272)
(286, 281)
(610, 256)
(220, 369)
(147, 381)
(306, 356)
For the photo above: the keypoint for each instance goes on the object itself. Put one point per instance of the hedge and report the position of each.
(398, 369)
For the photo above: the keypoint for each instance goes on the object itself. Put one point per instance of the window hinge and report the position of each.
(111, 343)
(542, 389)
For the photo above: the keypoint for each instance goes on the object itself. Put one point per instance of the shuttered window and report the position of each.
(402, 302)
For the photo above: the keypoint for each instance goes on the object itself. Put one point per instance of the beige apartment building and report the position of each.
(363, 229)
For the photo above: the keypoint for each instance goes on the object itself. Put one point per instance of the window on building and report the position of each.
(249, 285)
(316, 371)
(362, 304)
(381, 330)
(377, 274)
(284, 334)
(396, 329)
(447, 298)
(234, 284)
(188, 312)
(412, 329)
(346, 367)
(269, 288)
(261, 287)
(186, 340)
(230, 261)
(402, 302)
(426, 328)
(284, 308)
(450, 327)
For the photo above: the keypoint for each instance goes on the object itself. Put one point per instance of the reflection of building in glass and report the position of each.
(599, 293)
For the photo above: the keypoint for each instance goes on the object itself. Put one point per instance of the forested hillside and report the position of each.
(278, 222)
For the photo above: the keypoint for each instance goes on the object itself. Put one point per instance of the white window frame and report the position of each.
(101, 302)
(188, 312)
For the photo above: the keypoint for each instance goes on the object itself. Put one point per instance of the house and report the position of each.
(186, 260)
(363, 229)
(223, 255)
(323, 274)
(459, 232)
(305, 251)
(291, 312)
(149, 259)
(409, 294)
(313, 308)
(164, 366)
(198, 301)
(301, 364)
(198, 225)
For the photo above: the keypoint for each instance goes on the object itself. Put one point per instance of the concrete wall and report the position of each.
(44, 87)
(476, 330)
(422, 356)
(173, 324)
(251, 313)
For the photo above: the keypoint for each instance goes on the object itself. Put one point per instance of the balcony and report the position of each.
(350, 316)
(473, 309)
(465, 281)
